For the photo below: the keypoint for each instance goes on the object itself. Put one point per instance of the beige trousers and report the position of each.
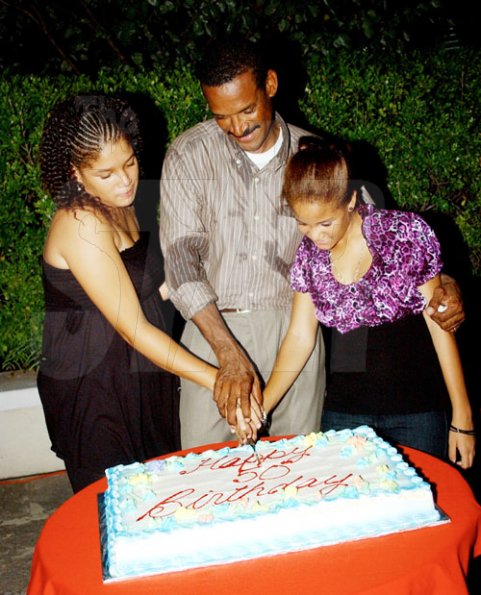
(261, 334)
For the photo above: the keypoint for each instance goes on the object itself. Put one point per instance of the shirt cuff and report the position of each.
(192, 297)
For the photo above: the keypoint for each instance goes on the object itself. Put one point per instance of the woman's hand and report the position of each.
(247, 430)
(461, 447)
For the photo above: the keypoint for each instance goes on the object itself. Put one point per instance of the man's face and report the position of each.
(244, 111)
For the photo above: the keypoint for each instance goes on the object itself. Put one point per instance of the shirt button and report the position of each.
(256, 180)
(251, 294)
(256, 217)
(254, 257)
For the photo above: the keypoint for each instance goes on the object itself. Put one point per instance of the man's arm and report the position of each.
(446, 306)
(185, 239)
(236, 380)
(183, 235)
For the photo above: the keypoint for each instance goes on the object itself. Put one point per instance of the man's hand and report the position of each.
(446, 306)
(237, 385)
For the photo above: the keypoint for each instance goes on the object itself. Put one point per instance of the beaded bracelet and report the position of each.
(459, 431)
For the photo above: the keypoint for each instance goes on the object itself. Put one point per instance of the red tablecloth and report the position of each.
(429, 560)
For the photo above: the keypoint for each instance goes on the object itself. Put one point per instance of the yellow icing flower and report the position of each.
(185, 514)
(389, 485)
(310, 439)
(290, 492)
(138, 478)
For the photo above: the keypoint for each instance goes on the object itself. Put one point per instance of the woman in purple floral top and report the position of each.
(368, 273)
(404, 255)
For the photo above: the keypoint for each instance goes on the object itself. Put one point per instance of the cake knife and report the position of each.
(252, 443)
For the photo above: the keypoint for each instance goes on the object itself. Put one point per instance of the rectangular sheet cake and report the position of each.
(227, 505)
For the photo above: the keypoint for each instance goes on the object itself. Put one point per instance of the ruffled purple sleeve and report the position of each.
(300, 271)
(418, 250)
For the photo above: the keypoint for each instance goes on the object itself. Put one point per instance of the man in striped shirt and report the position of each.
(228, 243)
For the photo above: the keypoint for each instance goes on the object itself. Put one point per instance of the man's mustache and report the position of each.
(246, 132)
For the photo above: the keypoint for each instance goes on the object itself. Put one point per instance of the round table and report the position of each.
(67, 558)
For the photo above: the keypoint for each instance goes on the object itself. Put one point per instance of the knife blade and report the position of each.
(252, 443)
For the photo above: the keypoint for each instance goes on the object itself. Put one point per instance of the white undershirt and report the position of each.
(262, 159)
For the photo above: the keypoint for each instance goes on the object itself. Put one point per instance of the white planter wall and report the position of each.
(24, 442)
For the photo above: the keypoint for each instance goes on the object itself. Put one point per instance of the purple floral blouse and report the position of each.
(405, 254)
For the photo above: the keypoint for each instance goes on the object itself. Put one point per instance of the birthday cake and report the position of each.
(234, 504)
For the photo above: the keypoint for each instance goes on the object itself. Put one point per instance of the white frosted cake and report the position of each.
(230, 505)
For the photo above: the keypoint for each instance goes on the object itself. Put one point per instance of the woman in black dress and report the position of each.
(106, 377)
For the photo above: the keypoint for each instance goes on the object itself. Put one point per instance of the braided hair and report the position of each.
(75, 133)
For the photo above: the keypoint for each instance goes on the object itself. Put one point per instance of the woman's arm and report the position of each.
(295, 350)
(293, 354)
(450, 362)
(86, 243)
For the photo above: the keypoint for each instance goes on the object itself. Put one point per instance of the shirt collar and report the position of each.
(278, 161)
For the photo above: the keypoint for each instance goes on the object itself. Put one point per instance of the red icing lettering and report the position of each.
(174, 499)
(271, 476)
(332, 483)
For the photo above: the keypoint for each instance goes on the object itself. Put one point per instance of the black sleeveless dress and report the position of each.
(104, 403)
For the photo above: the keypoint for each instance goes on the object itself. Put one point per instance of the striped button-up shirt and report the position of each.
(226, 236)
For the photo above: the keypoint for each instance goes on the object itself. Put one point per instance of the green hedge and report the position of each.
(91, 35)
(423, 117)
(420, 115)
